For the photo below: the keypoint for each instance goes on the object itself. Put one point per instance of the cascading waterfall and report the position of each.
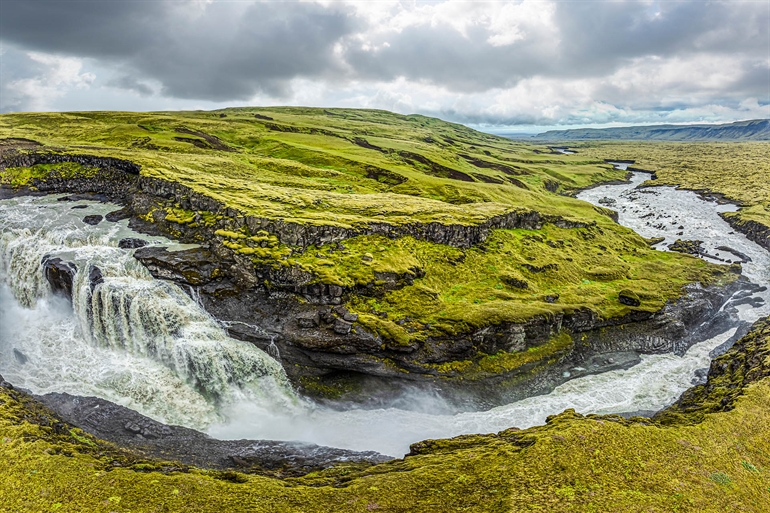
(145, 344)
(129, 313)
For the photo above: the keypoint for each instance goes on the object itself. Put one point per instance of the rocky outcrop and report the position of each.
(151, 439)
(28, 159)
(93, 220)
(690, 247)
(132, 243)
(60, 275)
(746, 362)
(754, 231)
(318, 337)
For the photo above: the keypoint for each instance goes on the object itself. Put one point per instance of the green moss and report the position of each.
(504, 362)
(22, 176)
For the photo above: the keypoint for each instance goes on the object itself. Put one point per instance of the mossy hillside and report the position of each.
(351, 168)
(573, 463)
(738, 171)
(321, 173)
(514, 276)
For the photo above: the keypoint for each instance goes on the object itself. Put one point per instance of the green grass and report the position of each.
(350, 168)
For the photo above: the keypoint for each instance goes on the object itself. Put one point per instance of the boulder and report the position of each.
(118, 215)
(342, 327)
(93, 220)
(95, 277)
(691, 247)
(132, 243)
(308, 320)
(60, 275)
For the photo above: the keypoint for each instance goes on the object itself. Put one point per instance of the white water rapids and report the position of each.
(145, 344)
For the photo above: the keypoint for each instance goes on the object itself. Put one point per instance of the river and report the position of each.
(145, 344)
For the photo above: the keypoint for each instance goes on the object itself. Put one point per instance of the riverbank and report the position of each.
(736, 172)
(712, 445)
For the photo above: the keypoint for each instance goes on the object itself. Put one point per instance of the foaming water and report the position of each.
(145, 344)
(131, 339)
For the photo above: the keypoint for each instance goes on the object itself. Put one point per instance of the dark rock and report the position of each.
(60, 275)
(95, 277)
(342, 327)
(152, 439)
(308, 320)
(608, 201)
(743, 256)
(335, 290)
(350, 317)
(515, 282)
(118, 215)
(77, 207)
(132, 243)
(191, 267)
(691, 247)
(93, 220)
(629, 298)
(540, 269)
(552, 299)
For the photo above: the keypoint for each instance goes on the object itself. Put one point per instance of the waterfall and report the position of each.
(126, 312)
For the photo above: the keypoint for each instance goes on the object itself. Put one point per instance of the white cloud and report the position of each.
(57, 76)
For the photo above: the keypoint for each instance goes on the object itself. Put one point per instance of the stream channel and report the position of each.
(145, 344)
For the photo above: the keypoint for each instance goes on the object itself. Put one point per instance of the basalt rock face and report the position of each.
(753, 230)
(319, 338)
(59, 275)
(146, 437)
(29, 159)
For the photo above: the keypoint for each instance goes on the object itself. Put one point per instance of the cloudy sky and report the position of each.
(518, 64)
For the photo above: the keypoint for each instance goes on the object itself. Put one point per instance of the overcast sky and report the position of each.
(521, 64)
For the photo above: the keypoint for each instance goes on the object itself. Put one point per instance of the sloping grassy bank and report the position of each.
(710, 452)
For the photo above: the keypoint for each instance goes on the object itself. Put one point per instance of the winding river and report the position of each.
(145, 344)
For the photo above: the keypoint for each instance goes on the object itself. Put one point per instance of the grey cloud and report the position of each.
(445, 57)
(595, 38)
(226, 51)
(229, 51)
(15, 65)
(130, 83)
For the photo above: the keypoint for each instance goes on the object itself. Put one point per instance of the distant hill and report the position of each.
(753, 130)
